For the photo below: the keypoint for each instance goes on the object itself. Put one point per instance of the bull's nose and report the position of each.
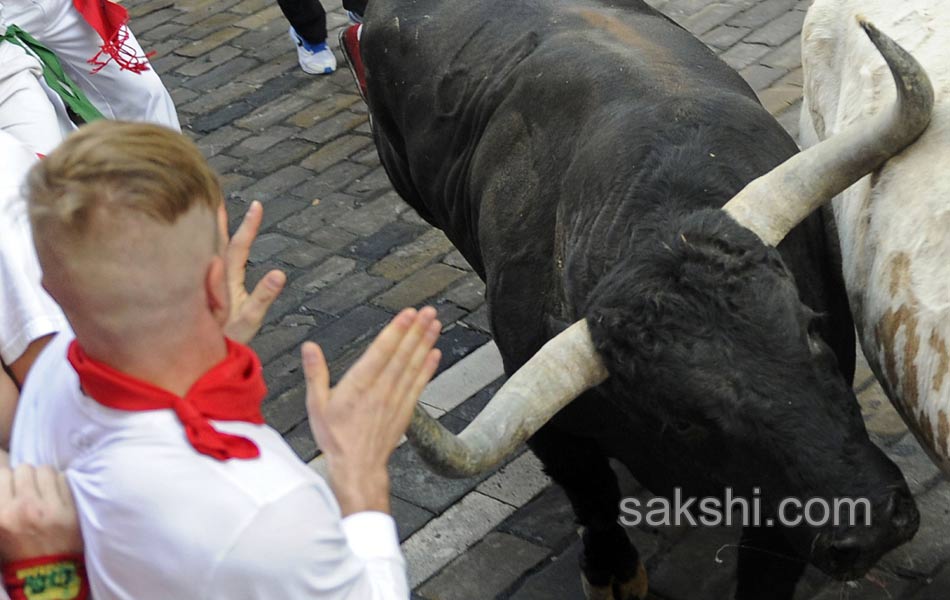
(900, 511)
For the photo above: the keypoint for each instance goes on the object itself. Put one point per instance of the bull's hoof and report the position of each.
(634, 588)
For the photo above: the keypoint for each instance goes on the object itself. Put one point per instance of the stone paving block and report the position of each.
(331, 270)
(548, 520)
(479, 320)
(709, 17)
(368, 219)
(278, 156)
(379, 244)
(292, 330)
(473, 405)
(268, 244)
(361, 323)
(724, 36)
(252, 146)
(406, 260)
(197, 48)
(220, 139)
(335, 151)
(140, 9)
(786, 56)
(762, 13)
(247, 7)
(560, 578)
(409, 517)
(303, 255)
(333, 179)
(275, 183)
(283, 65)
(691, 570)
(779, 30)
(456, 343)
(919, 471)
(450, 534)
(760, 76)
(301, 441)
(880, 417)
(469, 293)
(211, 121)
(144, 26)
(518, 482)
(789, 119)
(465, 378)
(332, 127)
(414, 482)
(487, 569)
(937, 588)
(285, 411)
(331, 238)
(419, 286)
(375, 181)
(742, 54)
(261, 17)
(207, 26)
(313, 114)
(455, 259)
(344, 295)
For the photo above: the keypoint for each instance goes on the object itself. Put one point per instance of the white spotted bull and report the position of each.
(893, 225)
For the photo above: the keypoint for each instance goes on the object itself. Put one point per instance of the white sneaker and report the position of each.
(316, 59)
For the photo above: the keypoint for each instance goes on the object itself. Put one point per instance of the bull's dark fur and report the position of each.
(577, 154)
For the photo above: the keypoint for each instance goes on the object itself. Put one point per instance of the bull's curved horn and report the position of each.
(558, 373)
(778, 201)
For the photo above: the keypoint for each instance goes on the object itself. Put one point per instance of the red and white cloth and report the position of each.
(99, 53)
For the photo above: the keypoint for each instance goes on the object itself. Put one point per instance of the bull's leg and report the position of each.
(768, 567)
(610, 565)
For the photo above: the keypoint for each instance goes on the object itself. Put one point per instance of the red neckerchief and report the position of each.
(232, 390)
(108, 18)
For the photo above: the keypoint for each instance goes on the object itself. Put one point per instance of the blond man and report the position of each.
(154, 414)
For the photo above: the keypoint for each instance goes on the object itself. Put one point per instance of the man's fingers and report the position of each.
(6, 486)
(402, 355)
(24, 482)
(252, 311)
(45, 478)
(317, 376)
(63, 491)
(409, 369)
(429, 367)
(365, 371)
(239, 248)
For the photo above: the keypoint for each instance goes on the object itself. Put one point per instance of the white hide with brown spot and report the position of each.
(894, 225)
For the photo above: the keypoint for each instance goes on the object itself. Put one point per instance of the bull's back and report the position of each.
(892, 224)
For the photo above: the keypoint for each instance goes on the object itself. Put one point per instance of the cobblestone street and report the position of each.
(355, 254)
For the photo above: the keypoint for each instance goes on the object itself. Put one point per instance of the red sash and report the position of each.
(108, 18)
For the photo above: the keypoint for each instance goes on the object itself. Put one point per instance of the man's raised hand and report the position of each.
(247, 310)
(359, 422)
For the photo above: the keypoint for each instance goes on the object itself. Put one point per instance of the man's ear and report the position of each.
(216, 291)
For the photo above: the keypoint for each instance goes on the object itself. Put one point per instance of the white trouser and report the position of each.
(118, 94)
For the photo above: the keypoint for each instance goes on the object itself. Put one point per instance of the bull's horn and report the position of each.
(778, 201)
(558, 373)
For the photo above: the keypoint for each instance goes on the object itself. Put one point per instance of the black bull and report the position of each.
(577, 154)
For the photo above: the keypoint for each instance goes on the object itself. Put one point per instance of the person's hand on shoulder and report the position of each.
(247, 309)
(40, 540)
(359, 422)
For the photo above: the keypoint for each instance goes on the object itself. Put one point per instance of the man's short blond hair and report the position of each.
(114, 165)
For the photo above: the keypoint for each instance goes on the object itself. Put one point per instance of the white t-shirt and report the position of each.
(161, 521)
(26, 310)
